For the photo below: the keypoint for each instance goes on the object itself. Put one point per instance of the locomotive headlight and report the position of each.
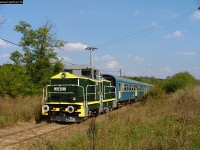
(70, 109)
(74, 98)
(46, 108)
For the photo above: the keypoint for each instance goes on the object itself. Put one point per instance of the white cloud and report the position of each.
(107, 62)
(196, 72)
(74, 47)
(112, 64)
(66, 59)
(197, 69)
(4, 44)
(175, 34)
(166, 70)
(150, 71)
(187, 53)
(108, 57)
(196, 15)
(138, 59)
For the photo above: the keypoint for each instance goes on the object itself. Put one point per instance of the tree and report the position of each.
(39, 57)
(179, 81)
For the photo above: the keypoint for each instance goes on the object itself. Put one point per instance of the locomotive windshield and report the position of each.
(64, 91)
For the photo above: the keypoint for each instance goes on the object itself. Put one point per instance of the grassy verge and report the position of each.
(21, 109)
(169, 123)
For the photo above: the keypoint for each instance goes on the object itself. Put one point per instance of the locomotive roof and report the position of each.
(80, 67)
(67, 75)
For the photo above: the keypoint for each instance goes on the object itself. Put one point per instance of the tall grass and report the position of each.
(20, 109)
(168, 123)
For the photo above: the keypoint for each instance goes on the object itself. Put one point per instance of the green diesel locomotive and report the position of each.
(76, 93)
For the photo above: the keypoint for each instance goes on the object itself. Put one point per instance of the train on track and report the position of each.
(81, 91)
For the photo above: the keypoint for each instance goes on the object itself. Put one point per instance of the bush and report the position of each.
(156, 92)
(179, 81)
(14, 81)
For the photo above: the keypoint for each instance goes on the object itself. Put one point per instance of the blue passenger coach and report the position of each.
(126, 89)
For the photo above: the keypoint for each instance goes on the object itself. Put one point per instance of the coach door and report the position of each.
(120, 89)
(136, 90)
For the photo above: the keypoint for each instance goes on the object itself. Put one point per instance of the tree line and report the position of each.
(171, 84)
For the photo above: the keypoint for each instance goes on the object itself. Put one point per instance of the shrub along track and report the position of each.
(14, 140)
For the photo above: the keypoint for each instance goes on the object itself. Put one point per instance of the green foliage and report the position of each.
(150, 80)
(16, 57)
(33, 68)
(179, 81)
(156, 92)
(13, 80)
(38, 58)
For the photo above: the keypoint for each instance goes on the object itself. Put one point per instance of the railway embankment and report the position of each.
(171, 122)
(168, 122)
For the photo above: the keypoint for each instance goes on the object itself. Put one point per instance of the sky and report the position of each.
(141, 37)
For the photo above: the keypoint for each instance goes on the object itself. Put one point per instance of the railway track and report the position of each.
(15, 139)
(41, 133)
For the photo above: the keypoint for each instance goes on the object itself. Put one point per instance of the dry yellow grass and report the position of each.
(20, 109)
(169, 123)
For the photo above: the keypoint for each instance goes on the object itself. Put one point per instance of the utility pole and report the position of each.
(91, 49)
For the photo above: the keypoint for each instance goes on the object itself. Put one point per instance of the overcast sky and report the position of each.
(140, 37)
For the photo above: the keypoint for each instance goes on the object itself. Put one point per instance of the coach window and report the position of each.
(127, 87)
(124, 87)
(130, 87)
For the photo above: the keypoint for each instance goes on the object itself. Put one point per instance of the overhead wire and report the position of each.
(148, 30)
(139, 33)
(9, 42)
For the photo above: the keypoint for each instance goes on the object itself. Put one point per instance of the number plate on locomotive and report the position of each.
(59, 88)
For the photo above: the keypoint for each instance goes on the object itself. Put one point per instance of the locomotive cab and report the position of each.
(83, 70)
